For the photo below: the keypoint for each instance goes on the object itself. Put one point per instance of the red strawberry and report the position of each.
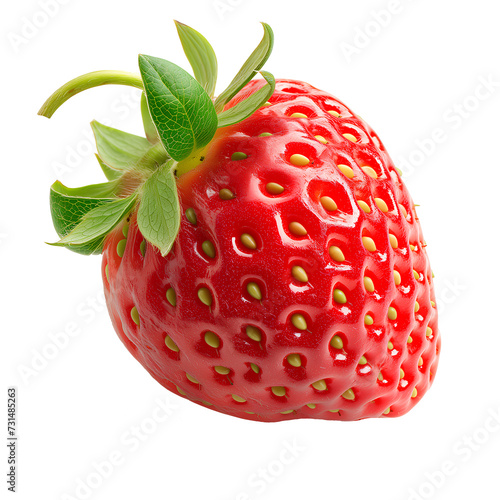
(297, 286)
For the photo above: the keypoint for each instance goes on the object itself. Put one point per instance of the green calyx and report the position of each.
(180, 115)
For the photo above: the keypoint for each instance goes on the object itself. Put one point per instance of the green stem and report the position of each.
(88, 81)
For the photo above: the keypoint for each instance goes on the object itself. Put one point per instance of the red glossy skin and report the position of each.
(142, 282)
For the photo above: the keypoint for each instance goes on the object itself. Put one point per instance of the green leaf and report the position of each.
(118, 149)
(182, 111)
(85, 82)
(246, 108)
(69, 205)
(89, 234)
(149, 126)
(110, 173)
(159, 214)
(200, 55)
(253, 64)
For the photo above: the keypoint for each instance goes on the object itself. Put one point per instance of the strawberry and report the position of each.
(261, 254)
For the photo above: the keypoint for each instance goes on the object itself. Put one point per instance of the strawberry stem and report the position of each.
(87, 81)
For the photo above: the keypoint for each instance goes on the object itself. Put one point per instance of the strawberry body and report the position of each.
(345, 326)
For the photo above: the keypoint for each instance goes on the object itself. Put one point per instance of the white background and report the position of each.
(420, 68)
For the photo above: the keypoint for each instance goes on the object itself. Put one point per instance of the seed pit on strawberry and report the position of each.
(335, 196)
(253, 373)
(301, 154)
(191, 216)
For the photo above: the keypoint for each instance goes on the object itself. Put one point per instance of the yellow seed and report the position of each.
(350, 137)
(412, 247)
(205, 296)
(386, 412)
(401, 373)
(171, 296)
(120, 248)
(369, 286)
(299, 274)
(368, 320)
(191, 378)
(403, 211)
(328, 203)
(125, 229)
(274, 188)
(319, 385)
(399, 171)
(134, 313)
(142, 247)
(106, 272)
(180, 391)
(171, 344)
(254, 290)
(321, 139)
(336, 254)
(226, 194)
(253, 333)
(334, 113)
(397, 277)
(339, 296)
(349, 394)
(294, 360)
(265, 134)
(390, 345)
(420, 361)
(238, 399)
(298, 115)
(254, 367)
(370, 172)
(311, 405)
(362, 361)
(206, 403)
(298, 321)
(414, 393)
(238, 155)
(278, 391)
(297, 229)
(191, 216)
(222, 370)
(416, 275)
(392, 313)
(286, 412)
(409, 340)
(299, 160)
(393, 241)
(368, 243)
(267, 104)
(433, 304)
(248, 241)
(417, 306)
(346, 170)
(428, 331)
(212, 340)
(364, 206)
(381, 204)
(334, 411)
(208, 248)
(380, 376)
(337, 342)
